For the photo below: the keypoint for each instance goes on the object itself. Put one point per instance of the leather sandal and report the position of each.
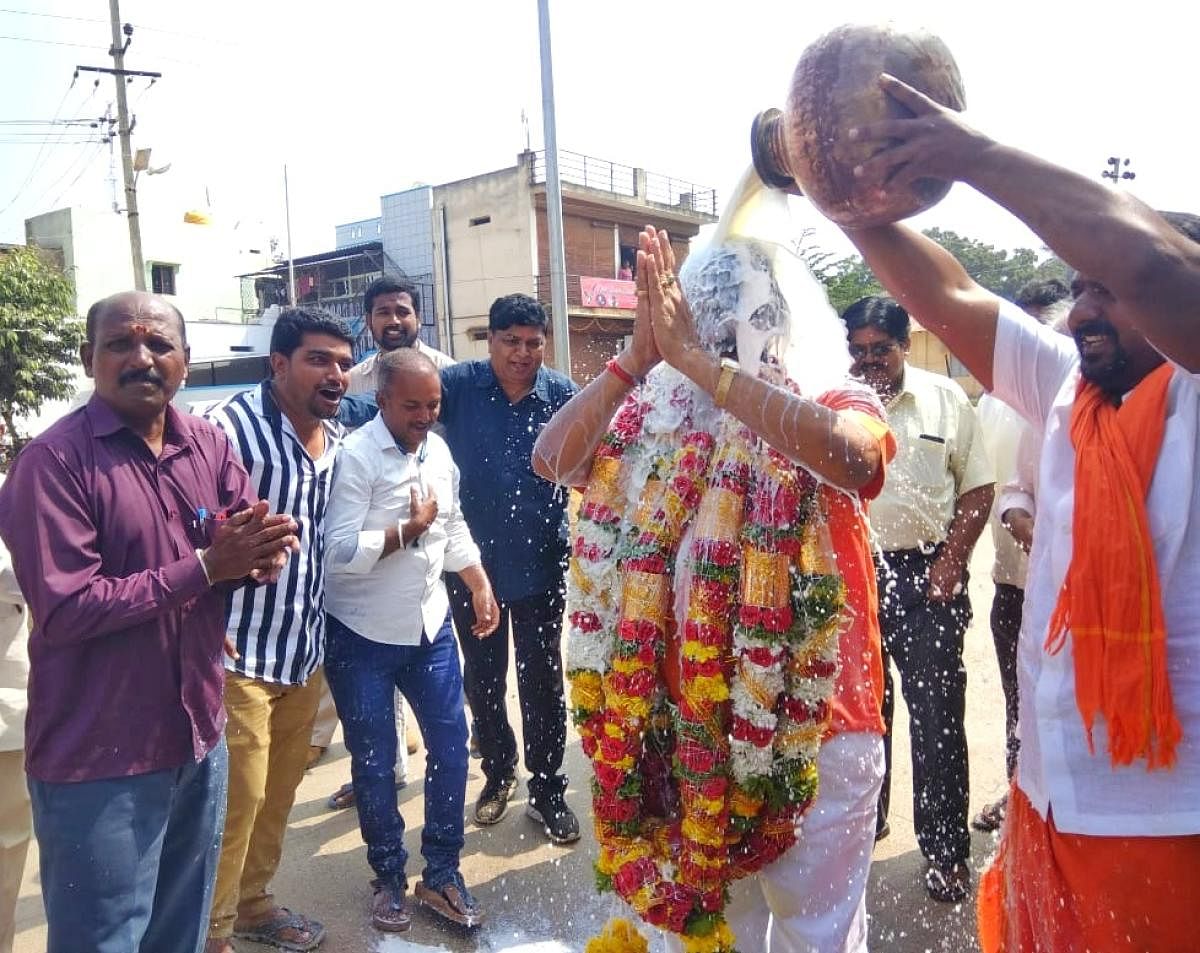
(388, 913)
(272, 930)
(452, 901)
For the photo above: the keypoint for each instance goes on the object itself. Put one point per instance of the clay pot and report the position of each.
(835, 87)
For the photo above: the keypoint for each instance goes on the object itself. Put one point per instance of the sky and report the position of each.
(361, 98)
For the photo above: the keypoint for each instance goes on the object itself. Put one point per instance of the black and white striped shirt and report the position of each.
(279, 629)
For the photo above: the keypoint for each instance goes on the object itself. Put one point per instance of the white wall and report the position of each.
(486, 261)
(95, 248)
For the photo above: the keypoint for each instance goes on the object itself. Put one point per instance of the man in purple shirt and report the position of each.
(116, 521)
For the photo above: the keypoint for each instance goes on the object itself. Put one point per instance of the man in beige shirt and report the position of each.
(393, 311)
(932, 509)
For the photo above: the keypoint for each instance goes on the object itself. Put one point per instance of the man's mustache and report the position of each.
(140, 377)
(1093, 330)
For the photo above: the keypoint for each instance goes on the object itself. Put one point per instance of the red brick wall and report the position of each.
(589, 246)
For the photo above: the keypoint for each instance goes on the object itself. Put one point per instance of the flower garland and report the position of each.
(688, 798)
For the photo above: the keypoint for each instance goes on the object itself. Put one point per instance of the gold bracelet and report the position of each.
(729, 369)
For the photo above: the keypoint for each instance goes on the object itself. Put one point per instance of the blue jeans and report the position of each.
(363, 676)
(129, 863)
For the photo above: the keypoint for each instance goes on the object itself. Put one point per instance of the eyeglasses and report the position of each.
(878, 349)
(532, 345)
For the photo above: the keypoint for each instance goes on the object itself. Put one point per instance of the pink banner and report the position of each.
(607, 293)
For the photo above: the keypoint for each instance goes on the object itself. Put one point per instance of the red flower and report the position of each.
(586, 621)
(692, 669)
(703, 878)
(616, 810)
(658, 916)
(818, 668)
(651, 563)
(712, 901)
(749, 615)
(635, 875)
(608, 777)
(696, 758)
(744, 730)
(705, 633)
(714, 787)
(637, 684)
(722, 552)
(777, 620)
(762, 656)
(799, 710)
(637, 630)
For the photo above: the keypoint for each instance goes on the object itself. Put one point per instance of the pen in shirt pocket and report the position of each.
(203, 516)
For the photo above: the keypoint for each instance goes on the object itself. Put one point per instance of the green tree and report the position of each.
(40, 335)
(999, 270)
(846, 279)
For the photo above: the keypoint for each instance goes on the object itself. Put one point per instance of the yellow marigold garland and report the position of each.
(688, 798)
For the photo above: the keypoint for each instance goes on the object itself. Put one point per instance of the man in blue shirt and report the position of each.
(493, 411)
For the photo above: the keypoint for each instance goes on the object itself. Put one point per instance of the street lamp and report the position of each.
(1115, 163)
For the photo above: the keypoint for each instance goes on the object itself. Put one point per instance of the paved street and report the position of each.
(539, 898)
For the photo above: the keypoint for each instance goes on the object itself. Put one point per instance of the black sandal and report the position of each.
(948, 884)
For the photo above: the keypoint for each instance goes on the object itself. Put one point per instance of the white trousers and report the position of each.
(813, 899)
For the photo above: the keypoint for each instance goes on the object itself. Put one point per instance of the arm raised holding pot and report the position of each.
(1142, 260)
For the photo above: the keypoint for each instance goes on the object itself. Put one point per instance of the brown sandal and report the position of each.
(387, 908)
(452, 901)
(274, 930)
(343, 797)
(992, 816)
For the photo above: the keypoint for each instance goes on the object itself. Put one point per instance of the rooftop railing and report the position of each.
(592, 173)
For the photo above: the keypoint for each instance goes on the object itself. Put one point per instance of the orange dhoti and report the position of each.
(1050, 892)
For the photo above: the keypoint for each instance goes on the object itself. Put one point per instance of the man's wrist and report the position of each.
(701, 367)
(636, 368)
(622, 373)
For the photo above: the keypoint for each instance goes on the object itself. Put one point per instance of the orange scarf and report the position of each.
(1111, 601)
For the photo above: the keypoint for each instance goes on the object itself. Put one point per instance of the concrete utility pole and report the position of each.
(124, 128)
(554, 219)
(131, 208)
(287, 211)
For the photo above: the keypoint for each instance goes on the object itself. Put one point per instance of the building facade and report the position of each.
(192, 259)
(473, 240)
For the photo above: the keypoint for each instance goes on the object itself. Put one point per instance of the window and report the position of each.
(481, 220)
(162, 278)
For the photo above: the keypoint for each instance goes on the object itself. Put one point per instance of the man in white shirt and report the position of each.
(1011, 442)
(392, 308)
(1102, 837)
(393, 525)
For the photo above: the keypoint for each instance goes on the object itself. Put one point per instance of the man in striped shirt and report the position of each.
(286, 437)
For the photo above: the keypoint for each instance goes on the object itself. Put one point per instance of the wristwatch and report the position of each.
(729, 369)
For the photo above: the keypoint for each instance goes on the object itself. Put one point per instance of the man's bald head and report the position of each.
(401, 362)
(409, 394)
(131, 302)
